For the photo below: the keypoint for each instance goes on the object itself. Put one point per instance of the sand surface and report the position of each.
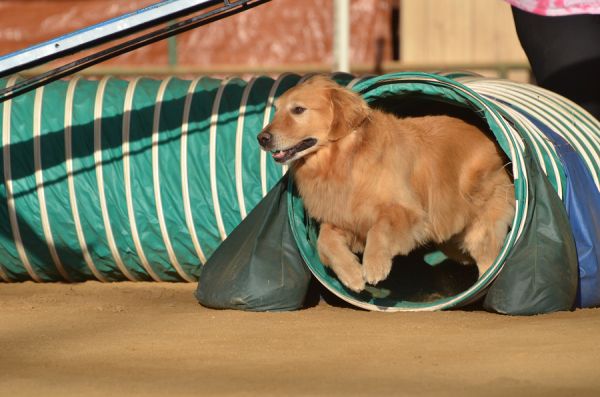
(148, 339)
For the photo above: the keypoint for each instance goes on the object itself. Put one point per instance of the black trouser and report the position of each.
(564, 53)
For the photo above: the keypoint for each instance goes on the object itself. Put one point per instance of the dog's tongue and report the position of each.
(279, 155)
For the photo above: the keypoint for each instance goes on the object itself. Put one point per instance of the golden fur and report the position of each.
(383, 186)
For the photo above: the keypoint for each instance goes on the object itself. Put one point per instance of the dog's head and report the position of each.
(310, 117)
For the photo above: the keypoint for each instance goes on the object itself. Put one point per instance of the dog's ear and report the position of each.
(349, 112)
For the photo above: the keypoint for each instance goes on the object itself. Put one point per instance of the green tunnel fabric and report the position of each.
(258, 267)
(144, 179)
(540, 273)
(131, 180)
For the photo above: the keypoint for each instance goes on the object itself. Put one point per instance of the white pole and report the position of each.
(341, 35)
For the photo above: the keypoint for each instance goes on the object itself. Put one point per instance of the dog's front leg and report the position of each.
(392, 234)
(333, 246)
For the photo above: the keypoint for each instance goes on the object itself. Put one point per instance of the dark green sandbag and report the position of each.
(540, 273)
(258, 267)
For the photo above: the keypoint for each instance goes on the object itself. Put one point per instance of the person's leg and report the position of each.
(564, 53)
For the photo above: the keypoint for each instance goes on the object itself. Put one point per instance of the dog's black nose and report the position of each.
(264, 138)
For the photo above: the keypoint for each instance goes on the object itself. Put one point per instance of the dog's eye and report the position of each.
(298, 110)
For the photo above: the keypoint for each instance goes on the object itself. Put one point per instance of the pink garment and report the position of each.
(558, 7)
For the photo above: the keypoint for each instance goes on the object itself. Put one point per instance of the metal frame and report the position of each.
(97, 34)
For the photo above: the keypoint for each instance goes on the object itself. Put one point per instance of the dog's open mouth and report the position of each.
(281, 156)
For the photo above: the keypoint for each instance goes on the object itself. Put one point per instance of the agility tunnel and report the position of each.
(550, 257)
(149, 179)
(130, 180)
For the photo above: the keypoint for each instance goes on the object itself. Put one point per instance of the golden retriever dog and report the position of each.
(382, 185)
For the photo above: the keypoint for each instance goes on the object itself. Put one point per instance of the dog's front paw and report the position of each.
(351, 277)
(376, 268)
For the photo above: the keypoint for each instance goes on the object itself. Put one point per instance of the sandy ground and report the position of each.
(146, 339)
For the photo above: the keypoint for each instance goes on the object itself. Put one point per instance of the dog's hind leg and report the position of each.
(334, 251)
(486, 234)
